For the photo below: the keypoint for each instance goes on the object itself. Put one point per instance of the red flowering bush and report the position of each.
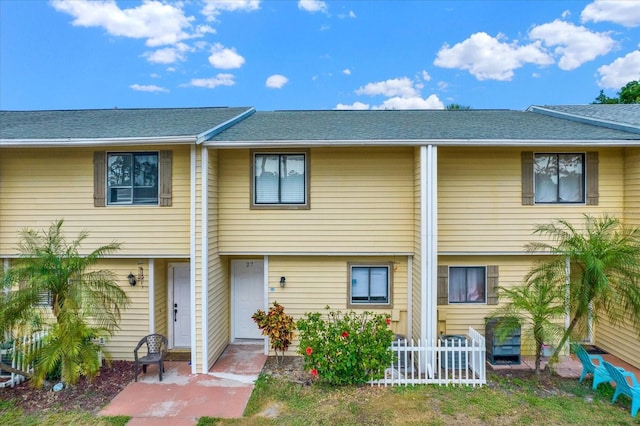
(348, 348)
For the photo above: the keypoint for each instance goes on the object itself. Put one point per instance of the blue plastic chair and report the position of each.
(600, 374)
(632, 390)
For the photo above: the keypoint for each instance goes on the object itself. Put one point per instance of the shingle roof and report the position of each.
(626, 114)
(437, 125)
(113, 123)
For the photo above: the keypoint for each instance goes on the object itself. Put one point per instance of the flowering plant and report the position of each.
(347, 348)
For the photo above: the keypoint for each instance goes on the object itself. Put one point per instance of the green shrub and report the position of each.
(346, 348)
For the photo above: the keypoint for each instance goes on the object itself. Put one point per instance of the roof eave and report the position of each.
(88, 142)
(421, 142)
(204, 136)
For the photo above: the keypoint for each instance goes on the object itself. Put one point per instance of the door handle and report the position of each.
(175, 312)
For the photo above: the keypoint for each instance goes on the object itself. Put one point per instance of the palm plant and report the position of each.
(539, 303)
(85, 303)
(604, 264)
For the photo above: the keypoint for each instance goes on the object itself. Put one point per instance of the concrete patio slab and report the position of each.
(181, 398)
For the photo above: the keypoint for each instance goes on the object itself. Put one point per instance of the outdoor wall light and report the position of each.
(133, 280)
(282, 281)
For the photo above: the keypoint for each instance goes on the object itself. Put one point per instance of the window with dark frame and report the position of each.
(280, 179)
(370, 284)
(559, 178)
(467, 284)
(132, 178)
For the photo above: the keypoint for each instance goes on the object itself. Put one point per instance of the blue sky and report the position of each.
(312, 54)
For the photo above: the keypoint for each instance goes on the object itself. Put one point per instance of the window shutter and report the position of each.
(443, 284)
(492, 284)
(99, 178)
(165, 178)
(592, 178)
(527, 178)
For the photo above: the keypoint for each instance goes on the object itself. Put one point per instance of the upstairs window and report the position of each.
(369, 285)
(559, 178)
(132, 178)
(280, 180)
(467, 284)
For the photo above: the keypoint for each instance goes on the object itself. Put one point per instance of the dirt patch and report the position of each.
(84, 396)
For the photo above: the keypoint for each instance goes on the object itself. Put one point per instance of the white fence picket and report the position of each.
(441, 362)
(21, 352)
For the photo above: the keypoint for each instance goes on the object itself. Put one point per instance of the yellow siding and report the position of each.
(457, 318)
(480, 205)
(134, 323)
(38, 186)
(620, 340)
(632, 186)
(416, 294)
(361, 200)
(218, 296)
(160, 297)
(315, 282)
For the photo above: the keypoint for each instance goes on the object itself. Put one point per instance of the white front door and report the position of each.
(247, 281)
(181, 305)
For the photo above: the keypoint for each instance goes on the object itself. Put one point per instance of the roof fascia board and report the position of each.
(204, 136)
(585, 120)
(87, 142)
(420, 142)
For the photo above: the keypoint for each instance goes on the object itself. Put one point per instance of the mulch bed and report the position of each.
(84, 396)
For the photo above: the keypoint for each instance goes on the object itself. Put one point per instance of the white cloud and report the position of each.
(346, 71)
(213, 8)
(351, 15)
(147, 88)
(620, 72)
(575, 44)
(168, 55)
(224, 58)
(157, 22)
(213, 82)
(355, 105)
(276, 81)
(426, 76)
(566, 13)
(392, 87)
(443, 86)
(432, 102)
(313, 6)
(625, 12)
(488, 58)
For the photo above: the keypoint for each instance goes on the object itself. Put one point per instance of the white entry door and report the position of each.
(248, 296)
(181, 305)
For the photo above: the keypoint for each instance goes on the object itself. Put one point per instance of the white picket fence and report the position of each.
(455, 360)
(18, 354)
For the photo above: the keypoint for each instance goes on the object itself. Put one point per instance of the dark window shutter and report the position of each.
(443, 284)
(527, 178)
(99, 178)
(592, 178)
(165, 178)
(492, 284)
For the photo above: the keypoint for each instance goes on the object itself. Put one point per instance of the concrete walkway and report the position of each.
(181, 398)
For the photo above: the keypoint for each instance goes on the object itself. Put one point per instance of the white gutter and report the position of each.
(421, 142)
(192, 260)
(86, 142)
(204, 241)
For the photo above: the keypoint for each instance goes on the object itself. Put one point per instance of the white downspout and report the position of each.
(152, 295)
(205, 260)
(424, 251)
(192, 256)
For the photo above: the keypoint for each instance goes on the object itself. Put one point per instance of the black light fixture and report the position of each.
(133, 280)
(282, 281)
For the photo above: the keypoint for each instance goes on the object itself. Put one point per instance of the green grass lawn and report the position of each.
(503, 401)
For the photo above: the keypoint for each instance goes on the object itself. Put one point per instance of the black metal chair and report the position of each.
(156, 351)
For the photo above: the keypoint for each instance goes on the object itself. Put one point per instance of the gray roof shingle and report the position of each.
(410, 125)
(113, 123)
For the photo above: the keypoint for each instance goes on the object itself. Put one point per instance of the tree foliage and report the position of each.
(85, 303)
(604, 264)
(278, 326)
(629, 94)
